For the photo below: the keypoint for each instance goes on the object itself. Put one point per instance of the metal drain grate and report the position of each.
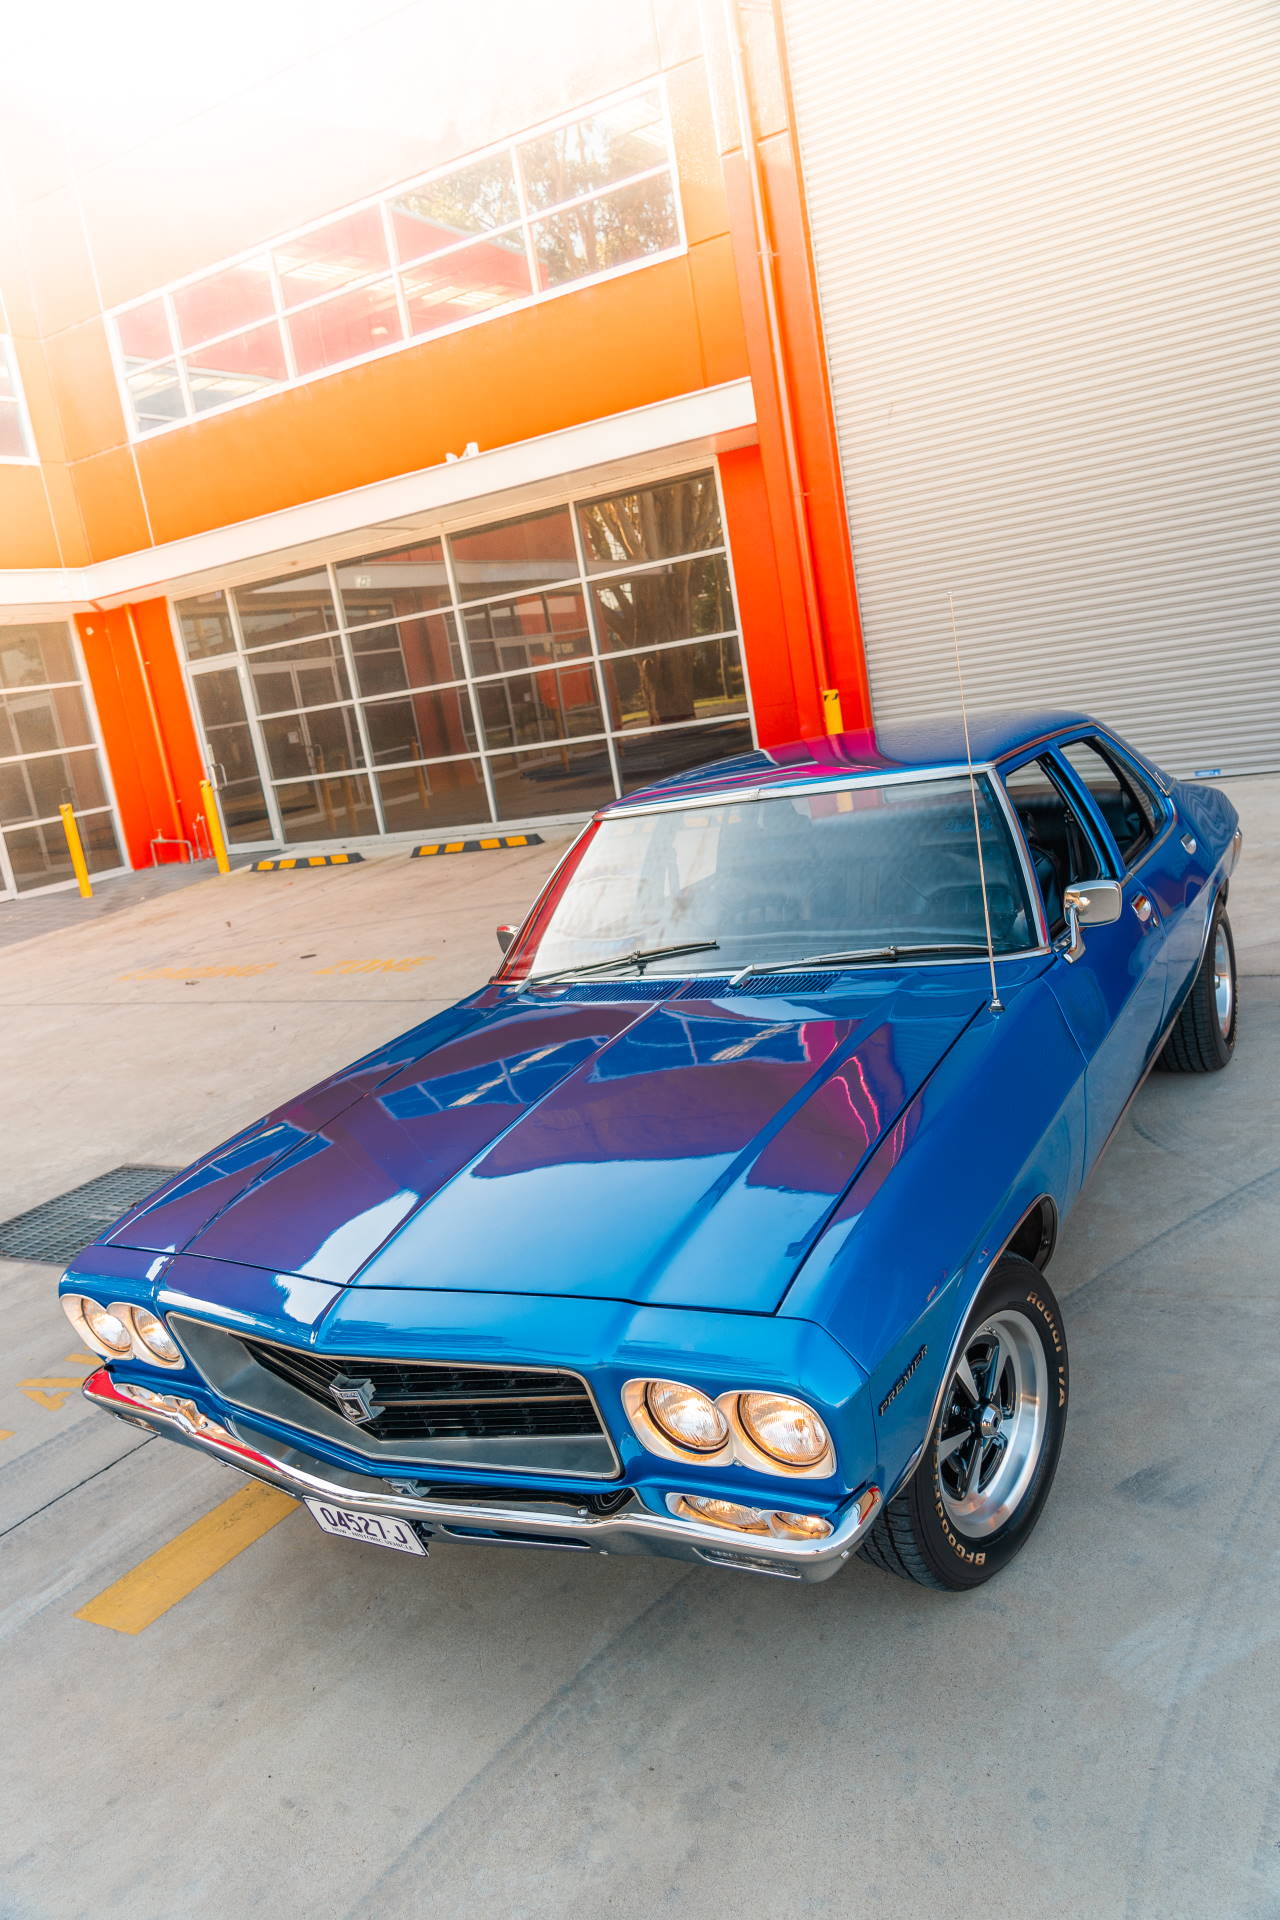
(56, 1231)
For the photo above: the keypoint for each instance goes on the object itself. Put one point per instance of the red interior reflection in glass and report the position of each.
(144, 331)
(469, 281)
(223, 302)
(315, 263)
(345, 328)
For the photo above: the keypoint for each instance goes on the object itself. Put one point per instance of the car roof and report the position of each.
(924, 747)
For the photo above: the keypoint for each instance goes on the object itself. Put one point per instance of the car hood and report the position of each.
(683, 1153)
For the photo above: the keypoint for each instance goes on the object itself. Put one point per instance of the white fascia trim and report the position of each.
(701, 422)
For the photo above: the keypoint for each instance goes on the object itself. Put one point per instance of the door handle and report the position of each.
(1189, 842)
(1142, 907)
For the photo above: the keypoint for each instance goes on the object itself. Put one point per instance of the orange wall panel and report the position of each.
(784, 692)
(27, 538)
(159, 651)
(110, 504)
(84, 387)
(128, 736)
(719, 310)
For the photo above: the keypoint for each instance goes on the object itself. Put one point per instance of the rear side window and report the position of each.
(1125, 802)
(1061, 850)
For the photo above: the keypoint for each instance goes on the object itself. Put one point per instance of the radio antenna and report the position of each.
(997, 1005)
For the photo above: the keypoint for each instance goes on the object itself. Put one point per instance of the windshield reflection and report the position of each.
(891, 864)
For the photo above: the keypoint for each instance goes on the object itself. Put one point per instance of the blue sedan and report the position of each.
(716, 1224)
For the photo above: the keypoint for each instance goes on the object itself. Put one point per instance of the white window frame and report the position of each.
(524, 224)
(596, 658)
(9, 355)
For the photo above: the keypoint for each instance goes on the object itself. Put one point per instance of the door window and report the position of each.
(1061, 850)
(1130, 810)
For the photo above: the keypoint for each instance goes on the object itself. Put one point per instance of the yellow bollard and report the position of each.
(831, 710)
(75, 849)
(213, 821)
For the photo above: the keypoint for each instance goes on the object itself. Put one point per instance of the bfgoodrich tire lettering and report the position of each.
(990, 1461)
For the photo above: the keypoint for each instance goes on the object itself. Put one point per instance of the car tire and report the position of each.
(1203, 1037)
(991, 1457)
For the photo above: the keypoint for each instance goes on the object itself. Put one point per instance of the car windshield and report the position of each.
(784, 878)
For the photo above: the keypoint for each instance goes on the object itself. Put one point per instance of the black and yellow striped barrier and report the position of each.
(305, 860)
(477, 846)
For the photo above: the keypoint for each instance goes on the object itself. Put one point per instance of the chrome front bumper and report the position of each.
(634, 1529)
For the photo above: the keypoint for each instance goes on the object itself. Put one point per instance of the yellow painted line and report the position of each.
(49, 1392)
(6, 1433)
(197, 1553)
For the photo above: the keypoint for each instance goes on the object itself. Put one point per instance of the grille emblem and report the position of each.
(353, 1398)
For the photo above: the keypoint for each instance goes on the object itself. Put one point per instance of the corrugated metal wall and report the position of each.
(1047, 247)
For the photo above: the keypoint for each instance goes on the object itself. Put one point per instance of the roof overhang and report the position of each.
(621, 447)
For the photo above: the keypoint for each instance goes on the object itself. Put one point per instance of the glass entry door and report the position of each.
(231, 756)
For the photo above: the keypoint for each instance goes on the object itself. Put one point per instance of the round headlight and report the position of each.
(800, 1526)
(155, 1338)
(786, 1430)
(726, 1513)
(686, 1417)
(104, 1330)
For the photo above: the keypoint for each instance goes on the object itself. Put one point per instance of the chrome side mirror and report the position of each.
(505, 936)
(1091, 903)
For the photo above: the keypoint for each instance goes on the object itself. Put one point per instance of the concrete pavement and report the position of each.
(334, 1731)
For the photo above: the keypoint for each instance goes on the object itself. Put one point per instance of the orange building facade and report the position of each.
(460, 456)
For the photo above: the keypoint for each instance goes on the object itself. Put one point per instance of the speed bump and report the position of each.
(493, 845)
(305, 860)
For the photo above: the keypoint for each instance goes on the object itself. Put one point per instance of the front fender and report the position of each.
(1000, 1125)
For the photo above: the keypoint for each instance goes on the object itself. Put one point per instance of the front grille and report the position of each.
(424, 1400)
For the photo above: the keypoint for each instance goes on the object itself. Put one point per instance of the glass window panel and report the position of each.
(1131, 816)
(650, 523)
(514, 554)
(205, 625)
(421, 727)
(321, 742)
(34, 789)
(143, 331)
(407, 653)
(286, 608)
(312, 673)
(233, 368)
(470, 200)
(666, 603)
(155, 394)
(592, 153)
(233, 757)
(41, 722)
(567, 779)
(551, 704)
(13, 439)
(223, 302)
(599, 234)
(459, 285)
(317, 809)
(329, 257)
(386, 586)
(345, 328)
(699, 682)
(449, 794)
(32, 656)
(529, 632)
(643, 757)
(39, 855)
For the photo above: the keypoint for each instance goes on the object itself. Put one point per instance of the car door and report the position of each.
(1113, 995)
(1126, 964)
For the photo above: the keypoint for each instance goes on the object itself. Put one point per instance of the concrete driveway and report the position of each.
(315, 1728)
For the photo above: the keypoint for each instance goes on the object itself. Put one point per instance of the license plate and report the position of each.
(374, 1529)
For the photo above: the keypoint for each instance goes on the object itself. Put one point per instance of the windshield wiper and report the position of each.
(856, 957)
(640, 958)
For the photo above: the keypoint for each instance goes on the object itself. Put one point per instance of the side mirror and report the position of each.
(1089, 903)
(505, 936)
